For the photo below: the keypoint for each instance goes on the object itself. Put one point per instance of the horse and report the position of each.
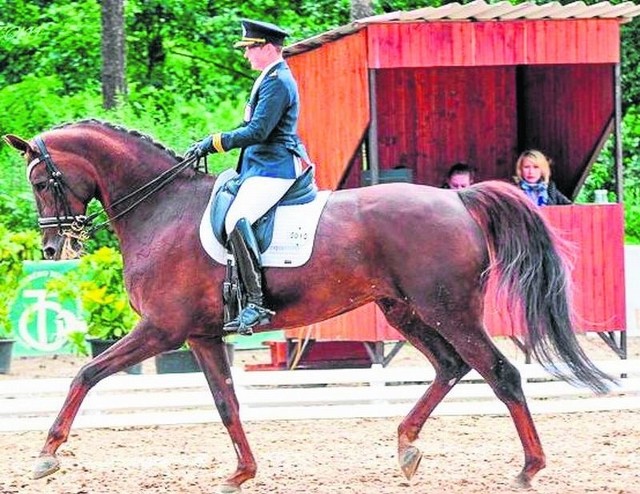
(423, 255)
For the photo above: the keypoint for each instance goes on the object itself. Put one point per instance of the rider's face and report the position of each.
(259, 56)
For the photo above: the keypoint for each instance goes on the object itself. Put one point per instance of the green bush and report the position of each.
(98, 282)
(632, 216)
(14, 248)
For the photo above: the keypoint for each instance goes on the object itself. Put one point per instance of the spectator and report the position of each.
(459, 176)
(533, 176)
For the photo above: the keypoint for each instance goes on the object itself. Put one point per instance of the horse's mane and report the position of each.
(120, 128)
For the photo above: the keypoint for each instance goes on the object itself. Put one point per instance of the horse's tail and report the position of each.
(532, 276)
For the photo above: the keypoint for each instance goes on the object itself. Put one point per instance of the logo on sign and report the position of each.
(41, 322)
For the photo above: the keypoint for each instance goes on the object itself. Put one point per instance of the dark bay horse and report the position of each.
(421, 254)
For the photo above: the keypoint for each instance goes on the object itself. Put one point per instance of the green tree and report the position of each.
(183, 75)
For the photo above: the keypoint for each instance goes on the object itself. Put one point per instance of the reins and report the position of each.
(151, 187)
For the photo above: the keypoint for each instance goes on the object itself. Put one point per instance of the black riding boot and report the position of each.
(247, 254)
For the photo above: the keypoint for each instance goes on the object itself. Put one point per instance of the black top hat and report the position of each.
(260, 33)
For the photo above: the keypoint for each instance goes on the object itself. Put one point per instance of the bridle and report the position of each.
(64, 218)
(80, 226)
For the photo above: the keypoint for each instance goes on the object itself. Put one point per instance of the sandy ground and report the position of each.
(586, 452)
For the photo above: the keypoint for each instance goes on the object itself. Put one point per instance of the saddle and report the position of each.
(302, 191)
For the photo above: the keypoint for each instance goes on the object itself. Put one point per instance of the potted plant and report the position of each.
(174, 361)
(15, 247)
(98, 283)
(6, 331)
(183, 360)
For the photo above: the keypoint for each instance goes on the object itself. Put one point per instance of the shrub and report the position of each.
(14, 248)
(98, 283)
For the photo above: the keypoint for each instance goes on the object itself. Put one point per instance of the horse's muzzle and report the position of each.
(62, 247)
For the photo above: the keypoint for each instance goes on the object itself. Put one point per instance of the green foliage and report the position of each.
(185, 79)
(602, 174)
(16, 204)
(190, 120)
(15, 247)
(632, 217)
(98, 282)
(27, 108)
(53, 38)
(630, 60)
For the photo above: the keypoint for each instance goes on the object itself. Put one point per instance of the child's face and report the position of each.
(459, 180)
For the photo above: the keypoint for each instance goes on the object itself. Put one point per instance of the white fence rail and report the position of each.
(144, 400)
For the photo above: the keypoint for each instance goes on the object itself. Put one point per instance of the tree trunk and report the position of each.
(113, 53)
(361, 9)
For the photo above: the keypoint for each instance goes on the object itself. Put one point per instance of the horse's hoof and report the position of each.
(229, 489)
(522, 482)
(46, 465)
(409, 461)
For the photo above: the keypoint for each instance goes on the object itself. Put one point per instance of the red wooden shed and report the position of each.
(411, 93)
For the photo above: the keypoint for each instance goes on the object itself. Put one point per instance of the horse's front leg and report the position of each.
(143, 342)
(211, 355)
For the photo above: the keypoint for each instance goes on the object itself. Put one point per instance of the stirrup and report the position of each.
(251, 316)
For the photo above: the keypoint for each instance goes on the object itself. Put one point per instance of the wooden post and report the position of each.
(617, 129)
(373, 162)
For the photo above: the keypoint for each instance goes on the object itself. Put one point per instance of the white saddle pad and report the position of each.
(293, 232)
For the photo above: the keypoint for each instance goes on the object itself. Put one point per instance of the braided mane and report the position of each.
(120, 128)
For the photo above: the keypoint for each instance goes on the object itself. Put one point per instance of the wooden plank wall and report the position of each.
(465, 44)
(564, 110)
(455, 94)
(334, 98)
(595, 233)
(431, 118)
(485, 116)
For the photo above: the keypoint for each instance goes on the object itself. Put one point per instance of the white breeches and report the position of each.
(256, 196)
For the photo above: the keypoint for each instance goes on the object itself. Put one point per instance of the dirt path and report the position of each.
(586, 453)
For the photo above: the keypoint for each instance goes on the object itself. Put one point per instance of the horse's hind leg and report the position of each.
(477, 349)
(210, 353)
(143, 342)
(449, 368)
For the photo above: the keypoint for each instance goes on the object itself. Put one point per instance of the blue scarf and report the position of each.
(537, 192)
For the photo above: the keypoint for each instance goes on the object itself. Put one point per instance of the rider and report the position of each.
(271, 158)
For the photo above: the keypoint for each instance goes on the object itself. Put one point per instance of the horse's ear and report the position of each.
(18, 143)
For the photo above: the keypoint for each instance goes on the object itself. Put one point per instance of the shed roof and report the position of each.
(478, 10)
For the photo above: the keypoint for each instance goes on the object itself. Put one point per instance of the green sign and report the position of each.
(40, 321)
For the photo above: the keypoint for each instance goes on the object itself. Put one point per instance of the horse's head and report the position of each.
(61, 193)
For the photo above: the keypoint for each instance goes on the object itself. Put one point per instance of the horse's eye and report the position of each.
(40, 186)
